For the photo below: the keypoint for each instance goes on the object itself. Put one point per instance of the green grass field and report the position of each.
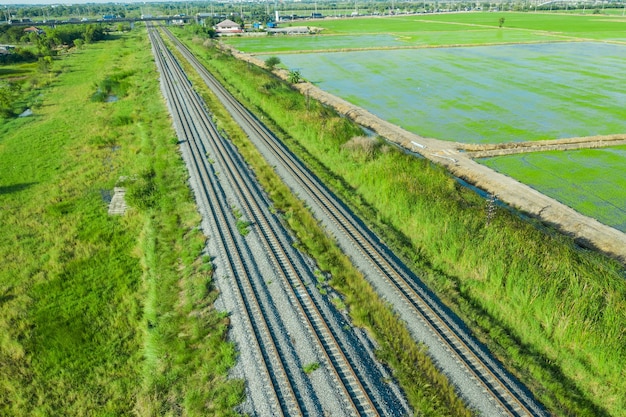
(71, 311)
(594, 26)
(483, 94)
(92, 306)
(440, 30)
(591, 181)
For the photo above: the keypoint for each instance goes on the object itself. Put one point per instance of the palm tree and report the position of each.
(295, 76)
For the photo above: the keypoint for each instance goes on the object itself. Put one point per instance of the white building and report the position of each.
(228, 26)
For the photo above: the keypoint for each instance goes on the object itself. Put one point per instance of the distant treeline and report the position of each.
(69, 10)
(34, 45)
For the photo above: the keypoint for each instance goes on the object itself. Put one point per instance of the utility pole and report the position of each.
(276, 10)
(491, 208)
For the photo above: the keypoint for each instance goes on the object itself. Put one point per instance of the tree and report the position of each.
(45, 64)
(9, 93)
(271, 62)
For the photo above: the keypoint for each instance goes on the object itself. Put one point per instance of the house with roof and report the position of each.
(33, 29)
(227, 26)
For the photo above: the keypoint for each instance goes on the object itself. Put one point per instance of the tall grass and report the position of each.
(99, 314)
(69, 281)
(553, 312)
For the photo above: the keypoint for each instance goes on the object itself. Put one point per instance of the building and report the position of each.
(291, 30)
(227, 26)
(33, 29)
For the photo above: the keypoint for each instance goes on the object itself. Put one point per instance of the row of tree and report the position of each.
(46, 42)
(61, 11)
(37, 47)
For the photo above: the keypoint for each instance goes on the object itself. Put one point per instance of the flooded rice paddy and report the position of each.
(482, 94)
(504, 93)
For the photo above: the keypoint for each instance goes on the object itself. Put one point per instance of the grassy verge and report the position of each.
(428, 391)
(553, 313)
(69, 283)
(99, 314)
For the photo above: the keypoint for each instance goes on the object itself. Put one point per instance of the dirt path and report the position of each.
(497, 149)
(458, 159)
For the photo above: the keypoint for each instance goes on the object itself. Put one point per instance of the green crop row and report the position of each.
(453, 29)
(589, 180)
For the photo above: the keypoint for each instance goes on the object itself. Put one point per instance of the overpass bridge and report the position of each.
(54, 22)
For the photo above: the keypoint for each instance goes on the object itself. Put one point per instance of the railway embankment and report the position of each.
(459, 160)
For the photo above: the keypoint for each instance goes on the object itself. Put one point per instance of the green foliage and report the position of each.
(142, 192)
(18, 55)
(113, 85)
(201, 30)
(45, 64)
(9, 94)
(93, 33)
(310, 367)
(271, 62)
(243, 227)
(295, 77)
(99, 314)
(69, 269)
(11, 34)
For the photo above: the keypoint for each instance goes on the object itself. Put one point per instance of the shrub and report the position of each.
(271, 62)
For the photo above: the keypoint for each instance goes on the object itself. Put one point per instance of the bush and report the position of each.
(271, 62)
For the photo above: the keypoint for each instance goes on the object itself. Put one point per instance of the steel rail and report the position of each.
(288, 402)
(359, 400)
(391, 270)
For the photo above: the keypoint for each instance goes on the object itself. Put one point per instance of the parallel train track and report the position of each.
(507, 394)
(202, 136)
(272, 365)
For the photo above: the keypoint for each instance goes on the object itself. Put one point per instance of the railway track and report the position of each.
(509, 397)
(201, 136)
(272, 365)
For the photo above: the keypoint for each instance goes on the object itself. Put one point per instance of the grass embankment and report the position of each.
(427, 390)
(99, 314)
(553, 313)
